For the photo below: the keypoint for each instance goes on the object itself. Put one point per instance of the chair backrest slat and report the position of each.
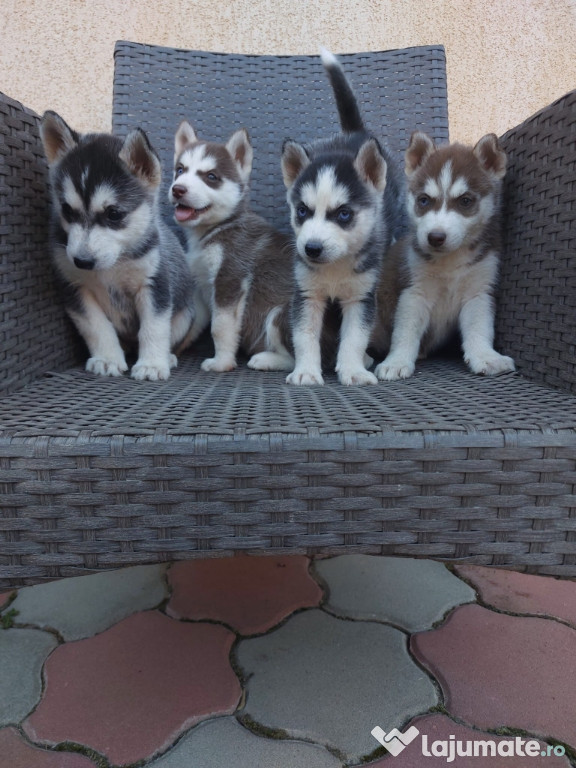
(275, 98)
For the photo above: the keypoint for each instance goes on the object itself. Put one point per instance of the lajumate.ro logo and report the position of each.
(396, 742)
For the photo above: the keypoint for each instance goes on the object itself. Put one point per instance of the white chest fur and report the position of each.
(335, 281)
(447, 283)
(205, 263)
(114, 289)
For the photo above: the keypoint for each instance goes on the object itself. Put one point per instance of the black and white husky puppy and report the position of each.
(447, 267)
(122, 273)
(241, 264)
(345, 196)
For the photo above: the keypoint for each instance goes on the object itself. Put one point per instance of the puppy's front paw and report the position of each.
(103, 367)
(219, 364)
(394, 368)
(356, 377)
(143, 371)
(271, 361)
(490, 364)
(304, 378)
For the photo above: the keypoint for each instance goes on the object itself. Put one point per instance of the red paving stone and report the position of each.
(132, 690)
(250, 594)
(497, 670)
(16, 753)
(523, 593)
(439, 728)
(4, 597)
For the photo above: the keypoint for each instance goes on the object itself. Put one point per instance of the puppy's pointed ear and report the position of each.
(185, 135)
(492, 158)
(420, 148)
(370, 165)
(294, 161)
(141, 159)
(57, 137)
(240, 149)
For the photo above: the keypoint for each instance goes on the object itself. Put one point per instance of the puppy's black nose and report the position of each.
(84, 263)
(178, 191)
(436, 238)
(313, 249)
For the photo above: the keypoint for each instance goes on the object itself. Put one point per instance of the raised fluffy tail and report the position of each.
(350, 118)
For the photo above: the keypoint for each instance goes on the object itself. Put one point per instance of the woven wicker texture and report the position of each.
(275, 98)
(98, 473)
(537, 308)
(442, 396)
(444, 465)
(34, 335)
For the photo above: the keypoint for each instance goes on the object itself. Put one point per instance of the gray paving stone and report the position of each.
(86, 605)
(331, 681)
(223, 742)
(22, 655)
(409, 593)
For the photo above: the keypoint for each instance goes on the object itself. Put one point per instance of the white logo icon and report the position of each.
(395, 741)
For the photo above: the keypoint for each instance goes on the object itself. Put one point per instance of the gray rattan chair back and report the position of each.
(275, 98)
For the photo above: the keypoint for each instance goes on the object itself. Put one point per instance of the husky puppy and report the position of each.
(242, 266)
(123, 275)
(344, 196)
(448, 264)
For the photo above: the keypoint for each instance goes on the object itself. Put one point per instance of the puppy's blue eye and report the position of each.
(302, 211)
(178, 171)
(465, 201)
(423, 201)
(344, 215)
(212, 177)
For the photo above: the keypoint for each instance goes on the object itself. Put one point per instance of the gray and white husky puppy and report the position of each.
(345, 199)
(122, 273)
(446, 269)
(241, 264)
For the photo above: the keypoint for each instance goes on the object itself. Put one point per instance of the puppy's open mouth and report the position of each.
(185, 213)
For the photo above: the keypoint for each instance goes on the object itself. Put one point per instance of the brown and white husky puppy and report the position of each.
(241, 265)
(448, 264)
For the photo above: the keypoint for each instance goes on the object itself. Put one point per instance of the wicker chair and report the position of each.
(98, 473)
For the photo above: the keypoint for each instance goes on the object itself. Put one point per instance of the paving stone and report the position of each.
(523, 671)
(131, 691)
(250, 594)
(16, 753)
(412, 594)
(4, 598)
(439, 728)
(85, 605)
(22, 654)
(522, 592)
(224, 742)
(330, 681)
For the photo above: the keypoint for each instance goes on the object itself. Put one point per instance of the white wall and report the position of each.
(506, 58)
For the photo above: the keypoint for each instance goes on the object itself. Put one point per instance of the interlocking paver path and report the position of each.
(254, 662)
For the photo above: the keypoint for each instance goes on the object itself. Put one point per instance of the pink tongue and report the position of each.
(184, 214)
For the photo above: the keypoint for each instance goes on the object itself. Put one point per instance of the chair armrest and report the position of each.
(35, 336)
(536, 308)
